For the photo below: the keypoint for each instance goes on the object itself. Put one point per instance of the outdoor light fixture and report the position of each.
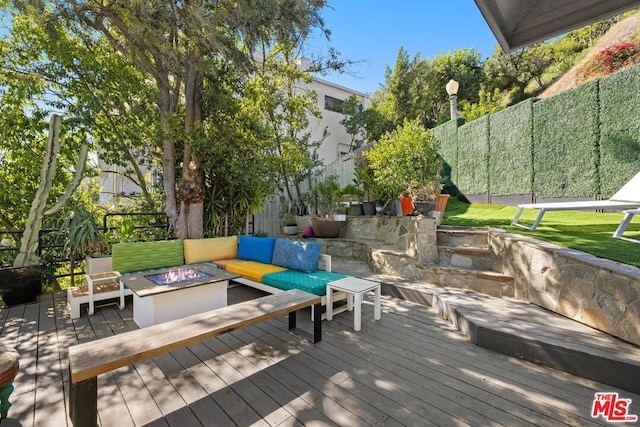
(452, 91)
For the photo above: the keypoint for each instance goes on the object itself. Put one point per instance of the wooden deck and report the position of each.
(409, 368)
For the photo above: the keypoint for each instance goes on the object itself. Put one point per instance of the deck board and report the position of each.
(445, 369)
(409, 368)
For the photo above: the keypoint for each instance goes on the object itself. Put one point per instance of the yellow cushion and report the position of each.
(206, 250)
(252, 270)
(222, 263)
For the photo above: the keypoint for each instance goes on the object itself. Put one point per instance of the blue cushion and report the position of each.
(259, 249)
(296, 255)
(314, 283)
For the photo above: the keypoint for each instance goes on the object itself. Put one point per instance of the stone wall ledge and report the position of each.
(600, 293)
(573, 254)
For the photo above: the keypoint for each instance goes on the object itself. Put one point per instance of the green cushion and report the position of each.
(128, 257)
(314, 283)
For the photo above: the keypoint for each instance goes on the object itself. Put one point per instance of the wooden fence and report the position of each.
(270, 222)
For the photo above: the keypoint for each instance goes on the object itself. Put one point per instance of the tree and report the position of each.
(415, 87)
(170, 42)
(488, 103)
(29, 242)
(507, 71)
(462, 65)
(239, 164)
(354, 122)
(404, 157)
(50, 66)
(281, 95)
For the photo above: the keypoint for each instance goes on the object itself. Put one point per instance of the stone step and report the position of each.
(466, 257)
(538, 335)
(392, 262)
(473, 237)
(530, 332)
(483, 281)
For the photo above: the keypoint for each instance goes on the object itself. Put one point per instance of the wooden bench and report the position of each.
(88, 360)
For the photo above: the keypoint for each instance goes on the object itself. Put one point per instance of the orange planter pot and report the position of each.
(441, 202)
(407, 205)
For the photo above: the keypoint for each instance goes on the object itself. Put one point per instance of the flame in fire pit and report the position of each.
(177, 275)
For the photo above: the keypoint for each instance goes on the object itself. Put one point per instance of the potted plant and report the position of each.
(340, 213)
(405, 205)
(424, 195)
(290, 227)
(352, 195)
(405, 155)
(365, 181)
(85, 238)
(327, 193)
(22, 283)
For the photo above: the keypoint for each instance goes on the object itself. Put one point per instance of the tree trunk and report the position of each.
(168, 156)
(191, 186)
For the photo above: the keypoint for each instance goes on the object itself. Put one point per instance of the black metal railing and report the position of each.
(58, 263)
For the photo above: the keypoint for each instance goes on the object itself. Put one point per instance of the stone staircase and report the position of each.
(465, 262)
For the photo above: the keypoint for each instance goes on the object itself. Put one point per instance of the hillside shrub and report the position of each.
(612, 59)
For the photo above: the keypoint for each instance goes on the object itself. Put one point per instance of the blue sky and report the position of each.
(374, 30)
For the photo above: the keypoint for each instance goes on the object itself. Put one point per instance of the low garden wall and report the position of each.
(389, 244)
(600, 293)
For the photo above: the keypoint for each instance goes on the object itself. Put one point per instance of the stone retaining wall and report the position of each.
(600, 293)
(390, 245)
(415, 236)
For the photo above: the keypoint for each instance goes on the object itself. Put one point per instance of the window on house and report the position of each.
(333, 104)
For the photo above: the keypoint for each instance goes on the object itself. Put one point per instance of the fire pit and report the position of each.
(176, 276)
(172, 293)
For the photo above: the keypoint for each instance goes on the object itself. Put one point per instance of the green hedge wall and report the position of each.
(473, 157)
(447, 134)
(580, 143)
(511, 145)
(565, 139)
(620, 129)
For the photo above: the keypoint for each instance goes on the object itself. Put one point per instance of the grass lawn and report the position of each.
(585, 231)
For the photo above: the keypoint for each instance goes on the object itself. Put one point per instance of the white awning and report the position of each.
(518, 23)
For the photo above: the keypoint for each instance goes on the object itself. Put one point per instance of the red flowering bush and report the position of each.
(612, 59)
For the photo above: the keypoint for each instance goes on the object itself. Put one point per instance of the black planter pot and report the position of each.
(369, 208)
(356, 209)
(424, 208)
(20, 285)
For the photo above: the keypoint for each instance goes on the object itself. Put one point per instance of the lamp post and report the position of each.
(452, 91)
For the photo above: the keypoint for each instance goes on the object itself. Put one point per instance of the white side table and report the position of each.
(355, 288)
(104, 286)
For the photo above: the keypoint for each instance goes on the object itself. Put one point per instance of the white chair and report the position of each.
(628, 214)
(626, 198)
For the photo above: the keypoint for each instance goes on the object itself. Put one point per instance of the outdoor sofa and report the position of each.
(266, 263)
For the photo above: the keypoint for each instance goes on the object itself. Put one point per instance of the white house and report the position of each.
(330, 99)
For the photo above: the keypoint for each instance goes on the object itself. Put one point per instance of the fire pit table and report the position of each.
(172, 293)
